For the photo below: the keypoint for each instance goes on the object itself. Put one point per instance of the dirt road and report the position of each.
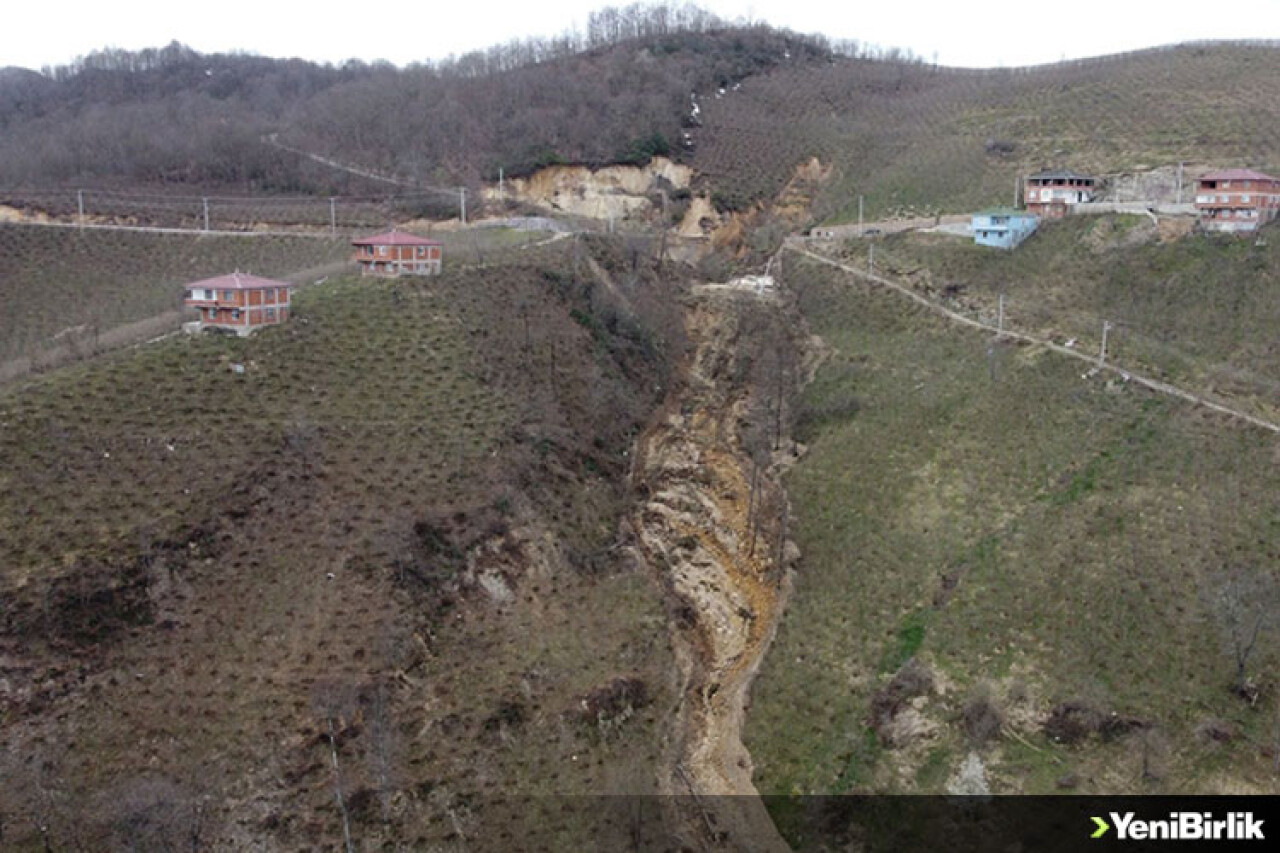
(1092, 361)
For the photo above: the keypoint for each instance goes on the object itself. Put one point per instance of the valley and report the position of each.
(675, 504)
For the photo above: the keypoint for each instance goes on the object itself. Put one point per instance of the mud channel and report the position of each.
(711, 527)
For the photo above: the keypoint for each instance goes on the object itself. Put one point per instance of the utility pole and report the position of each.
(333, 216)
(1017, 180)
(206, 213)
(871, 258)
(859, 216)
(1000, 317)
(462, 204)
(1102, 356)
(502, 188)
(1179, 197)
(80, 203)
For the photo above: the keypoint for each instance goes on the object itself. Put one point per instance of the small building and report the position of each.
(395, 253)
(239, 302)
(1003, 227)
(1051, 194)
(1236, 200)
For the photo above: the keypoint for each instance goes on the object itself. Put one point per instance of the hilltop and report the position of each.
(175, 116)
(744, 106)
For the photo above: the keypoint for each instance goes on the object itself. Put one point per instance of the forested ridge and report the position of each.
(620, 92)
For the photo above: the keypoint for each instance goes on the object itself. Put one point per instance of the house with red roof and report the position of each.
(1237, 200)
(239, 302)
(395, 253)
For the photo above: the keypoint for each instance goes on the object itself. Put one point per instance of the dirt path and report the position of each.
(888, 226)
(727, 596)
(273, 139)
(1127, 375)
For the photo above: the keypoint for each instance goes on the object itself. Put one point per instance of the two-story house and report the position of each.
(1050, 194)
(395, 253)
(1003, 227)
(1237, 200)
(239, 302)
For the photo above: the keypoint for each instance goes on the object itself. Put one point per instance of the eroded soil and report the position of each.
(711, 527)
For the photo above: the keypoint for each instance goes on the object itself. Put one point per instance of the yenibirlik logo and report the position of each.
(1183, 826)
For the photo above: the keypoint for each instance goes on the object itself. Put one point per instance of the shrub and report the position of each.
(981, 716)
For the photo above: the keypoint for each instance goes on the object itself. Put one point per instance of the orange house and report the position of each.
(239, 302)
(1237, 200)
(396, 253)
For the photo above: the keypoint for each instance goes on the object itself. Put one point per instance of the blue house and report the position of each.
(1003, 227)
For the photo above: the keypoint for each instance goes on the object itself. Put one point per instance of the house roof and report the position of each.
(236, 281)
(1236, 175)
(1063, 174)
(395, 238)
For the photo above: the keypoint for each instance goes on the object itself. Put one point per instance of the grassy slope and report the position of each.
(1200, 311)
(914, 138)
(200, 566)
(1077, 522)
(54, 278)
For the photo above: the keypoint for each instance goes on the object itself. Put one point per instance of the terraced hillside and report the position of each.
(1199, 310)
(1007, 560)
(52, 279)
(361, 583)
(914, 138)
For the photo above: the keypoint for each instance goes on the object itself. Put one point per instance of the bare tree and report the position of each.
(1244, 604)
(382, 744)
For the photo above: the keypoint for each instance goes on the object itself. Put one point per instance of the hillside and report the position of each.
(174, 116)
(915, 138)
(1199, 310)
(56, 279)
(394, 527)
(1006, 559)
(743, 106)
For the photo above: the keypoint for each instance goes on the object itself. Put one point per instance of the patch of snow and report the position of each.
(495, 584)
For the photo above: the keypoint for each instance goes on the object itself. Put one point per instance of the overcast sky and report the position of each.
(35, 34)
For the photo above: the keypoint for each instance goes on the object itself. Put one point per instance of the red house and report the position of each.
(396, 253)
(1237, 200)
(239, 302)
